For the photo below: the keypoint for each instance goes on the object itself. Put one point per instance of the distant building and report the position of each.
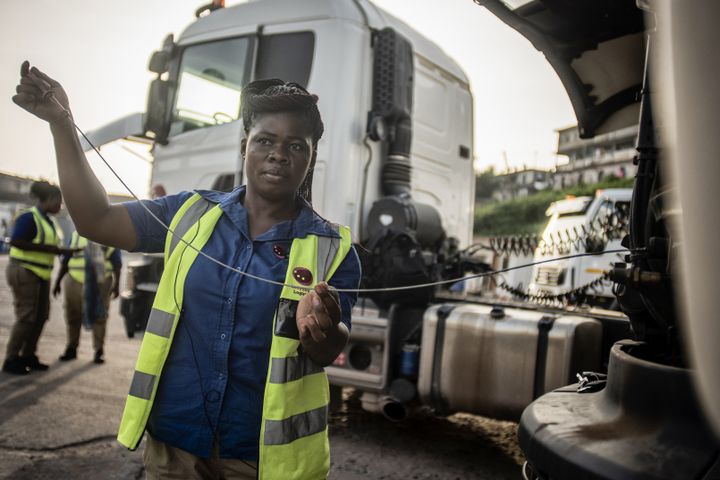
(591, 160)
(14, 189)
(14, 197)
(521, 183)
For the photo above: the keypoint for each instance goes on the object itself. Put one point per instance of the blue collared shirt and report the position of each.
(214, 377)
(25, 228)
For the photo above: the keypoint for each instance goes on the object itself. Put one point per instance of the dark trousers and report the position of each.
(31, 300)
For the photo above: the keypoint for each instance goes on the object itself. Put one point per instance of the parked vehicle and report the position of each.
(582, 225)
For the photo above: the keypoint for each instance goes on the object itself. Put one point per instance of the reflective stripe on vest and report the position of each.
(165, 313)
(293, 435)
(40, 263)
(76, 264)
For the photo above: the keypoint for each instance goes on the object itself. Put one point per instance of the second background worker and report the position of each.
(87, 299)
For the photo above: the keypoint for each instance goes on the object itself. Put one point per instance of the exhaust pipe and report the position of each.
(393, 410)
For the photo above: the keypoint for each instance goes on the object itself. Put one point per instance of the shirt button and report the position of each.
(229, 300)
(222, 336)
(249, 247)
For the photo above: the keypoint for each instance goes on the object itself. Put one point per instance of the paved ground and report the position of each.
(61, 424)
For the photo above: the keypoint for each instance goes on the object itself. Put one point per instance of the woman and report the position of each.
(34, 244)
(228, 381)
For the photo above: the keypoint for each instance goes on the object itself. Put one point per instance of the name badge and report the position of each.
(285, 325)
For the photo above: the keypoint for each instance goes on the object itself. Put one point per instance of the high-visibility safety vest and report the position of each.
(293, 436)
(40, 263)
(76, 264)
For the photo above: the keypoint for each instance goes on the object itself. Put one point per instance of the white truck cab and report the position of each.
(396, 154)
(328, 46)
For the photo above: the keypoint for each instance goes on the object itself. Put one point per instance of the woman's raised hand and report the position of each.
(35, 93)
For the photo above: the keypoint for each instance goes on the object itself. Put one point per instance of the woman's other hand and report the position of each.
(35, 94)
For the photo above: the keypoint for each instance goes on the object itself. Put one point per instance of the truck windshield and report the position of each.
(564, 216)
(210, 79)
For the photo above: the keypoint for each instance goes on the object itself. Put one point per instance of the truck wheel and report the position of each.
(129, 327)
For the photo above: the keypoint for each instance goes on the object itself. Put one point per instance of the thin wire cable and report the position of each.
(307, 289)
(478, 275)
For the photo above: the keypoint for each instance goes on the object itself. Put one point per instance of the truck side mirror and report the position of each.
(160, 60)
(156, 117)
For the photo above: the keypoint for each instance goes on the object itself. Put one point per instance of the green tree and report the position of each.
(526, 215)
(486, 182)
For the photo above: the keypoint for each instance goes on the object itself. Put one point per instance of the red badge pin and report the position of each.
(302, 275)
(279, 251)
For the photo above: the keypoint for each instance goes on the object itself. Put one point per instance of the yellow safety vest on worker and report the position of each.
(76, 264)
(293, 436)
(40, 263)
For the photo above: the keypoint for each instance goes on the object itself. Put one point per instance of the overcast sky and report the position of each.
(99, 51)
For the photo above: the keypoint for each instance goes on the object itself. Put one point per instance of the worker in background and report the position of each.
(4, 229)
(94, 277)
(229, 380)
(34, 244)
(157, 191)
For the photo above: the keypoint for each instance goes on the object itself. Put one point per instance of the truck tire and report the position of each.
(129, 328)
(128, 312)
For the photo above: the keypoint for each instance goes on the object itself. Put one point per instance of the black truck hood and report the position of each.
(595, 46)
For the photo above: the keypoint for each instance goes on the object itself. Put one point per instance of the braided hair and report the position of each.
(275, 95)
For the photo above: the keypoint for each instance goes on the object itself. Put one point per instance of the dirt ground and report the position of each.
(364, 446)
(459, 447)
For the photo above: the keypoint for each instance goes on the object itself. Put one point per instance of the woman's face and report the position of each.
(277, 152)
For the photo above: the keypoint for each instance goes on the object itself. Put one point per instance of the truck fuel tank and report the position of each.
(495, 361)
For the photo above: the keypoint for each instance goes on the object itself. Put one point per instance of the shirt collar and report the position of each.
(306, 223)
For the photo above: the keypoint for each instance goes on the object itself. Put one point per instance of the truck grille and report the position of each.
(550, 276)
